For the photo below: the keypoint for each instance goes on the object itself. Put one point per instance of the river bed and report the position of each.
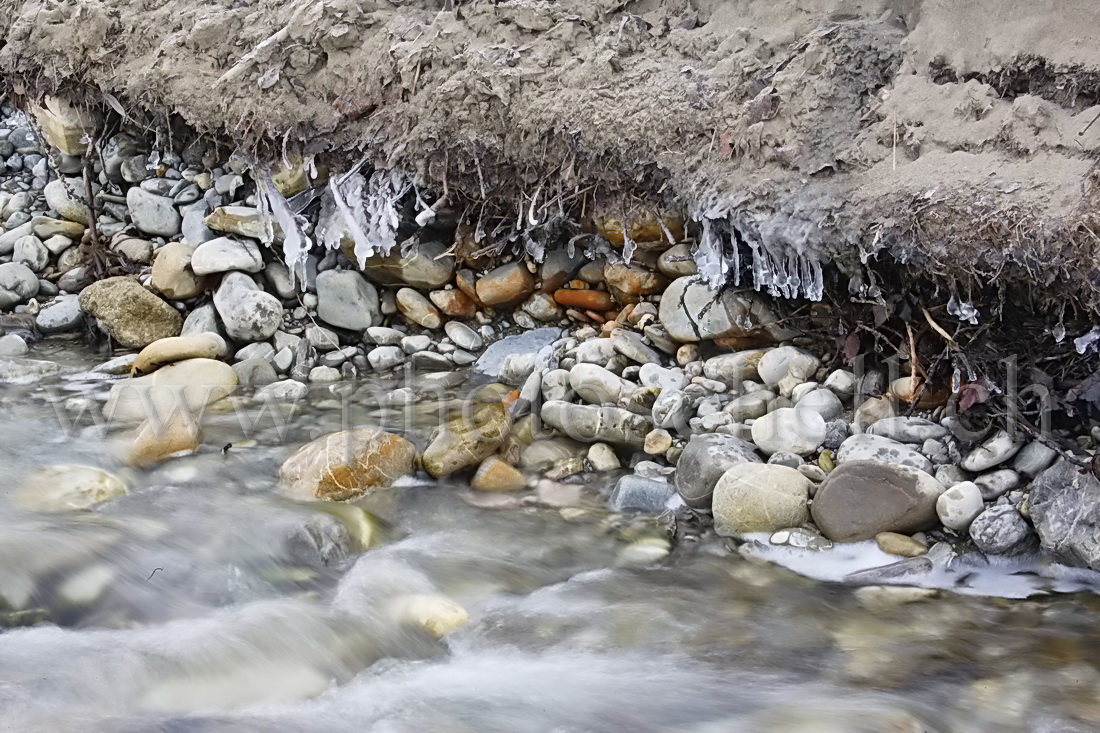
(203, 600)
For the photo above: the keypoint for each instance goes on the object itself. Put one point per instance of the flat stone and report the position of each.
(418, 265)
(176, 348)
(631, 345)
(908, 429)
(901, 545)
(60, 315)
(866, 447)
(466, 440)
(735, 368)
(495, 474)
(463, 336)
(505, 285)
(995, 450)
(224, 254)
(245, 221)
(598, 386)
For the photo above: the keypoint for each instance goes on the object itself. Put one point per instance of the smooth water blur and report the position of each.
(204, 601)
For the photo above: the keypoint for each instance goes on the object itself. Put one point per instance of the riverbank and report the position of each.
(729, 413)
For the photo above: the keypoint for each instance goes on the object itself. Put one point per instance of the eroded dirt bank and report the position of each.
(956, 139)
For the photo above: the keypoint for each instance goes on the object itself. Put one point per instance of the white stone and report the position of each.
(789, 429)
(995, 450)
(224, 254)
(602, 457)
(822, 401)
(598, 386)
(463, 336)
(864, 447)
(958, 506)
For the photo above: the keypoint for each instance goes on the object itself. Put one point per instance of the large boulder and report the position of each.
(129, 313)
(1065, 508)
(690, 311)
(705, 458)
(467, 440)
(758, 497)
(859, 499)
(347, 465)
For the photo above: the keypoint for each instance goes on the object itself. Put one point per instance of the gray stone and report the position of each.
(1034, 458)
(68, 207)
(690, 312)
(1065, 508)
(203, 319)
(861, 498)
(597, 385)
(630, 345)
(634, 493)
(415, 344)
(17, 283)
(865, 447)
(383, 336)
(346, 300)
(322, 338)
(703, 461)
(590, 424)
(733, 369)
(254, 372)
(673, 409)
(751, 406)
(786, 362)
(287, 390)
(823, 402)
(463, 336)
(995, 450)
(385, 357)
(908, 429)
(754, 497)
(515, 368)
(555, 385)
(248, 313)
(785, 458)
(31, 252)
(225, 254)
(152, 214)
(25, 371)
(420, 265)
(1000, 530)
(653, 375)
(10, 237)
(836, 432)
(997, 483)
(258, 350)
(59, 315)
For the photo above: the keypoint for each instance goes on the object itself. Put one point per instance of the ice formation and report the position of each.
(364, 208)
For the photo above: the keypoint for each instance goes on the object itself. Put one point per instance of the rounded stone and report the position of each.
(495, 474)
(703, 461)
(67, 487)
(347, 465)
(418, 309)
(789, 429)
(506, 284)
(755, 497)
(958, 506)
(248, 313)
(346, 300)
(861, 498)
(17, 283)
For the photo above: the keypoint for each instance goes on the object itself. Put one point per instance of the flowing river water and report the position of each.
(204, 601)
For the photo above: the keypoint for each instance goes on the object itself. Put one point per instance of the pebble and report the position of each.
(590, 424)
(418, 309)
(631, 345)
(703, 461)
(823, 402)
(385, 357)
(635, 493)
(861, 498)
(60, 315)
(505, 285)
(463, 336)
(597, 385)
(1034, 458)
(995, 450)
(908, 429)
(657, 442)
(601, 457)
(12, 344)
(893, 543)
(998, 483)
(958, 506)
(17, 284)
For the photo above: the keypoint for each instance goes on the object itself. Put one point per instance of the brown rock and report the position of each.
(860, 499)
(505, 285)
(595, 300)
(418, 309)
(421, 265)
(132, 315)
(677, 262)
(453, 303)
(156, 440)
(495, 474)
(466, 281)
(347, 465)
(467, 440)
(172, 273)
(643, 225)
(173, 349)
(628, 283)
(893, 543)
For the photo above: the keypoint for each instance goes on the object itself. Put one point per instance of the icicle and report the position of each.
(366, 209)
(709, 257)
(296, 244)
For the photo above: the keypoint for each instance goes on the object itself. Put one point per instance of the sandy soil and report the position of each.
(955, 138)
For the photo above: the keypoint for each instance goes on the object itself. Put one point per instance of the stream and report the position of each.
(203, 600)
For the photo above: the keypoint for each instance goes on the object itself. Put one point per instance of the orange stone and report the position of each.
(453, 303)
(466, 281)
(506, 284)
(629, 282)
(595, 300)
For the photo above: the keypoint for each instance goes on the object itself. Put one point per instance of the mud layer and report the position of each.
(957, 139)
